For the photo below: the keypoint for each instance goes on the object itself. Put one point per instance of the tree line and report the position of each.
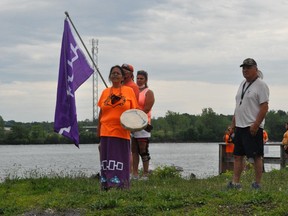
(173, 127)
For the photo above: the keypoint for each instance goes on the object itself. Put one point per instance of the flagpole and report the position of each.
(66, 13)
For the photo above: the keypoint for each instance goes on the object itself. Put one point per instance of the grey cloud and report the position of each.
(192, 37)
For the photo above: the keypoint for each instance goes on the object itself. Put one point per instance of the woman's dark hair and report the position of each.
(145, 74)
(119, 67)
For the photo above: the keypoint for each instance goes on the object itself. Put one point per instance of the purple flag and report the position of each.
(73, 71)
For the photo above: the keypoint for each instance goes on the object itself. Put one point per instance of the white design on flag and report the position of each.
(69, 93)
(70, 78)
(67, 129)
(70, 63)
(74, 50)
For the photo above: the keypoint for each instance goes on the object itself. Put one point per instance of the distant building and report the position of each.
(90, 128)
(7, 129)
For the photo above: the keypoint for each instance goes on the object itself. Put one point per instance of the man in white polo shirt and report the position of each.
(248, 122)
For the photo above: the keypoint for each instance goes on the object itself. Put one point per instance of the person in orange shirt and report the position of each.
(129, 81)
(265, 136)
(266, 150)
(229, 142)
(114, 139)
(285, 139)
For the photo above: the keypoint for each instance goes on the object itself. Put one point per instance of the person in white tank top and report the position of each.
(140, 140)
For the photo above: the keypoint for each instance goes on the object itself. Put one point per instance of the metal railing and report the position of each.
(226, 161)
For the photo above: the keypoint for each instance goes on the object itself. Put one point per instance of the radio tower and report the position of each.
(95, 79)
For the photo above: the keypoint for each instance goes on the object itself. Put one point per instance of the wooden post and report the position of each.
(221, 158)
(282, 157)
(226, 161)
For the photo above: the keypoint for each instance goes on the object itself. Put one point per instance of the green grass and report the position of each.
(165, 193)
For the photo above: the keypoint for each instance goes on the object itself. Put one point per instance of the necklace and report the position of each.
(141, 88)
(116, 89)
(244, 90)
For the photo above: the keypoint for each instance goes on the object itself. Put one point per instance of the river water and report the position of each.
(17, 161)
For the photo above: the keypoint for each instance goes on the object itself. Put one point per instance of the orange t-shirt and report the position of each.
(229, 144)
(110, 113)
(134, 86)
(285, 138)
(265, 136)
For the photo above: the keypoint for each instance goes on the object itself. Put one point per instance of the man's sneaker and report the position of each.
(230, 185)
(144, 178)
(255, 186)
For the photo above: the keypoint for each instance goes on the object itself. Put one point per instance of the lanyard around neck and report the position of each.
(244, 90)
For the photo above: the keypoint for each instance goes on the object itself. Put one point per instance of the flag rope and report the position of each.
(66, 13)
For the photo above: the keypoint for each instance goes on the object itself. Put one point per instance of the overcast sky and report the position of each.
(191, 49)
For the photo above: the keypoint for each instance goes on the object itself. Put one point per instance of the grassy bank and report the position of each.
(165, 193)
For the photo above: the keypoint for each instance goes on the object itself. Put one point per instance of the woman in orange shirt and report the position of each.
(114, 139)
